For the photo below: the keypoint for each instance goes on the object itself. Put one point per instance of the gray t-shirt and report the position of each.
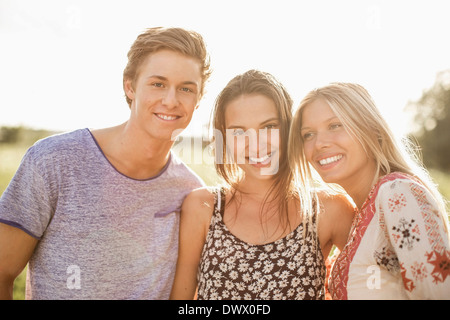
(102, 235)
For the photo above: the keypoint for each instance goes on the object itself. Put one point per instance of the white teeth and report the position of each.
(262, 159)
(165, 117)
(330, 160)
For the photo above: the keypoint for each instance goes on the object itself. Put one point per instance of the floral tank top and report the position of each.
(231, 269)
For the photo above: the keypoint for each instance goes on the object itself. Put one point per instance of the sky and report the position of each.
(61, 61)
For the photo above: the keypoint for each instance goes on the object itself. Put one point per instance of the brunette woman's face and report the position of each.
(330, 149)
(252, 135)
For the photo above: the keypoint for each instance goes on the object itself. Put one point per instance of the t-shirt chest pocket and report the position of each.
(165, 232)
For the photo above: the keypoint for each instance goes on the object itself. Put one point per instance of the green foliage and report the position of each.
(442, 179)
(432, 116)
(10, 155)
(19, 286)
(22, 135)
(9, 134)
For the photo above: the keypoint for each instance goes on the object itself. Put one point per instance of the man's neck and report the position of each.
(134, 155)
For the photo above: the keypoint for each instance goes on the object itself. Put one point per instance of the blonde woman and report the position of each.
(398, 247)
(251, 238)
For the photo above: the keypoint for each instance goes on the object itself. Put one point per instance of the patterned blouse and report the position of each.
(288, 268)
(398, 247)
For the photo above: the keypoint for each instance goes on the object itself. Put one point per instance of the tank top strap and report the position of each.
(312, 229)
(314, 222)
(219, 201)
(315, 216)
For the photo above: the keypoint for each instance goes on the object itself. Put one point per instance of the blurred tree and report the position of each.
(10, 134)
(22, 135)
(432, 119)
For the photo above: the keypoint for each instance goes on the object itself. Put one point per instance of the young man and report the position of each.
(95, 213)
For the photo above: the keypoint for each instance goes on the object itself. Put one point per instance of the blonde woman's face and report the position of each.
(330, 149)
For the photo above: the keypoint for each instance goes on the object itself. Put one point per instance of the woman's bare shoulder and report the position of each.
(199, 198)
(336, 204)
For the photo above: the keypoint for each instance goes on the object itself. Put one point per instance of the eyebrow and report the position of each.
(166, 79)
(237, 126)
(327, 120)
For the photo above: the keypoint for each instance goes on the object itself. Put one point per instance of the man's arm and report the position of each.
(16, 248)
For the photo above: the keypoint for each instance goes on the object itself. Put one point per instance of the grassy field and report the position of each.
(11, 155)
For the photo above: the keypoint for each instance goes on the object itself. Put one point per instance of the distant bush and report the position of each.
(22, 135)
(9, 134)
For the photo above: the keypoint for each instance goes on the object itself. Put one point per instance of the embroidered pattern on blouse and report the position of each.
(387, 258)
(408, 221)
(397, 202)
(406, 233)
(288, 268)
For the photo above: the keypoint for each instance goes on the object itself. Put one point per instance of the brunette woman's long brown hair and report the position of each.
(256, 82)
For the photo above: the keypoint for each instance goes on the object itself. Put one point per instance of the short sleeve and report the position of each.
(26, 203)
(419, 237)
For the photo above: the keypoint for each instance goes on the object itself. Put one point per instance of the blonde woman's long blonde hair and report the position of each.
(357, 111)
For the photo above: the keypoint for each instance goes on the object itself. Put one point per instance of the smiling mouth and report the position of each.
(166, 117)
(260, 160)
(330, 160)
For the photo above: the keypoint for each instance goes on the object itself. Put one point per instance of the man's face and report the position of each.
(165, 94)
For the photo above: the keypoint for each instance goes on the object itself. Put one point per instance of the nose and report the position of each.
(258, 142)
(170, 98)
(252, 142)
(322, 140)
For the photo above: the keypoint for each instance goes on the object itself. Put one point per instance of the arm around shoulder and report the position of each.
(196, 213)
